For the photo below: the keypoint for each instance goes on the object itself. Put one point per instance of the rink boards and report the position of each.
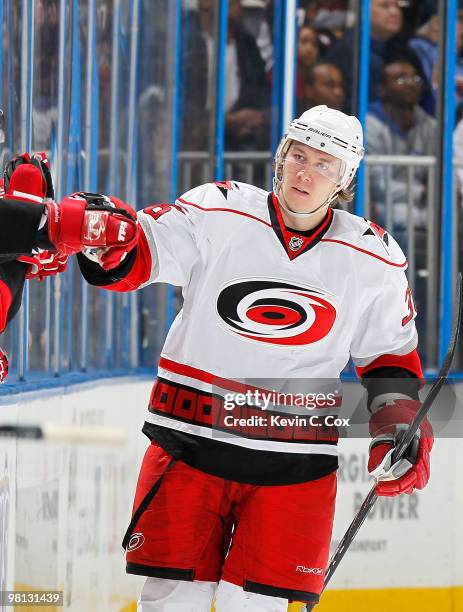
(64, 508)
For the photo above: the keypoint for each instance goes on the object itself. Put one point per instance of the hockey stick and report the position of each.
(401, 447)
(55, 432)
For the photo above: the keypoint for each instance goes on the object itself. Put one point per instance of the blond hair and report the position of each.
(345, 195)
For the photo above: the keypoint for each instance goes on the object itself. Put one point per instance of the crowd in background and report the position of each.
(403, 76)
(401, 117)
(403, 82)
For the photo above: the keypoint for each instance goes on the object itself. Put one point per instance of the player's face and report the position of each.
(309, 177)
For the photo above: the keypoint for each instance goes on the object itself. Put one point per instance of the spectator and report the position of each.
(331, 14)
(425, 45)
(46, 67)
(386, 24)
(196, 82)
(307, 11)
(324, 84)
(247, 93)
(307, 55)
(397, 125)
(257, 20)
(247, 103)
(264, 41)
(253, 15)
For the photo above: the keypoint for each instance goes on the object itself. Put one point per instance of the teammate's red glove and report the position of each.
(28, 178)
(3, 366)
(44, 263)
(89, 220)
(412, 471)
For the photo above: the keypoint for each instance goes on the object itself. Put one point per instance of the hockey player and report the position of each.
(37, 235)
(27, 181)
(274, 284)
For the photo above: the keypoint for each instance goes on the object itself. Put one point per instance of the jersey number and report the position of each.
(158, 210)
(411, 308)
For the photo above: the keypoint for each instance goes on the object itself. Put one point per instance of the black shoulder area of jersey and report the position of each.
(95, 275)
(225, 187)
(370, 232)
(19, 223)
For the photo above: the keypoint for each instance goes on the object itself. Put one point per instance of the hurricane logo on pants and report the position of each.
(276, 312)
(136, 541)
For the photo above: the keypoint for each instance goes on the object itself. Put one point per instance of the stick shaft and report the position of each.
(371, 498)
(55, 432)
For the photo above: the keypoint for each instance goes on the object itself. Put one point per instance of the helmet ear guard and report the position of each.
(279, 158)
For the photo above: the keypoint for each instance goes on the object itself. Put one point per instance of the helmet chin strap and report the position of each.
(325, 204)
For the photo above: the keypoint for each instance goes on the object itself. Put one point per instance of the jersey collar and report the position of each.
(293, 242)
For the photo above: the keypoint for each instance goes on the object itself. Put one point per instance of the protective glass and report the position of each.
(2, 127)
(329, 167)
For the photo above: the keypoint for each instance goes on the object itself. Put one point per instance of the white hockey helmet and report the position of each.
(330, 131)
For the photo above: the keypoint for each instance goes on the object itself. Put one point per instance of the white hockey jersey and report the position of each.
(263, 303)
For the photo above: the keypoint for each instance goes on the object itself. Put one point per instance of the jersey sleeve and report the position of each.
(19, 226)
(19, 231)
(166, 251)
(385, 335)
(12, 276)
(170, 233)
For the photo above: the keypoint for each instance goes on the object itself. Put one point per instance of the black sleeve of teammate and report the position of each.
(19, 223)
(390, 380)
(13, 274)
(95, 275)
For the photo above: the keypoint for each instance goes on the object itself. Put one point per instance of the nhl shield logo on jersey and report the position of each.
(276, 312)
(295, 243)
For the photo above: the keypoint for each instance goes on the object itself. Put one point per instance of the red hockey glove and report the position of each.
(44, 263)
(28, 178)
(3, 366)
(111, 256)
(90, 220)
(412, 471)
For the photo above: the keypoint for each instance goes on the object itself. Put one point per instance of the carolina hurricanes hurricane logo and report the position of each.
(136, 541)
(276, 312)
